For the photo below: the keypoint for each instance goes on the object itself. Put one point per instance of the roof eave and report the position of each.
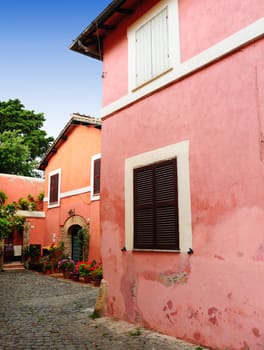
(98, 25)
(76, 119)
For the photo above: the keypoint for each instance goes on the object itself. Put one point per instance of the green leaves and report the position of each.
(21, 139)
(8, 218)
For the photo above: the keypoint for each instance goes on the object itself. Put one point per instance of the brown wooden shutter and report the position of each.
(156, 206)
(54, 189)
(97, 171)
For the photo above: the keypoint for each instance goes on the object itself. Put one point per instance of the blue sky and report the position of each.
(36, 65)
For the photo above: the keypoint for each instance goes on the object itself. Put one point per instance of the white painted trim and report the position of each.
(54, 172)
(75, 192)
(31, 214)
(97, 196)
(181, 152)
(232, 43)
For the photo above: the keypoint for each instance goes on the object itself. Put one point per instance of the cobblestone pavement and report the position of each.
(40, 312)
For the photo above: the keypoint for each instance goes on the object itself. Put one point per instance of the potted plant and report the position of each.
(85, 269)
(97, 274)
(44, 262)
(66, 266)
(48, 268)
(74, 275)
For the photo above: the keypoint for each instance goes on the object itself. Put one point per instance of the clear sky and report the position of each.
(36, 65)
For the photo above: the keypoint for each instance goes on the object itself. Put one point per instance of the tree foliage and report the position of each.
(20, 131)
(15, 155)
(8, 218)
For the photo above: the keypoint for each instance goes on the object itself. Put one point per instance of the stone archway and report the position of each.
(69, 227)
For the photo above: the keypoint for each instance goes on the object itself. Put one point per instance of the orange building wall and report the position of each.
(73, 157)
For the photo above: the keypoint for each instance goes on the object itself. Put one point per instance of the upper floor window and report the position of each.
(153, 44)
(152, 50)
(95, 176)
(54, 188)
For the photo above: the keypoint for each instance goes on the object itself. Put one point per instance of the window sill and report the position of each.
(157, 250)
(152, 79)
(55, 205)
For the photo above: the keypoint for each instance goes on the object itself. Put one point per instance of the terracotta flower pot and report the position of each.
(87, 279)
(66, 274)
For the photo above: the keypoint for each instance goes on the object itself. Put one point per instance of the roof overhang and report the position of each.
(90, 41)
(76, 119)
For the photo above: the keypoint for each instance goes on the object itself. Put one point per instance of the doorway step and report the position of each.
(14, 266)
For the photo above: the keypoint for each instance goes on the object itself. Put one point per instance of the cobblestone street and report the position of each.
(40, 312)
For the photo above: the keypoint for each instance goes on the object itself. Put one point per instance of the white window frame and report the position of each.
(54, 172)
(173, 42)
(94, 197)
(181, 152)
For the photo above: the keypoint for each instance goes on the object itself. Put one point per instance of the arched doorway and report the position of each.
(73, 233)
(76, 246)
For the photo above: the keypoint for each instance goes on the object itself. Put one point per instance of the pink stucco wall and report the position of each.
(201, 25)
(205, 23)
(216, 297)
(73, 157)
(115, 81)
(16, 187)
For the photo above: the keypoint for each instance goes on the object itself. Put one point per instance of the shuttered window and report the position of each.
(152, 48)
(96, 175)
(54, 189)
(156, 206)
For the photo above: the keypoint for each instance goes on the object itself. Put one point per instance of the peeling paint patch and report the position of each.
(173, 278)
(240, 254)
(229, 295)
(212, 310)
(170, 304)
(214, 314)
(197, 336)
(256, 332)
(218, 257)
(259, 255)
(170, 312)
(245, 346)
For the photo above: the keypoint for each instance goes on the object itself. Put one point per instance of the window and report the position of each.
(157, 200)
(156, 206)
(95, 176)
(54, 186)
(153, 44)
(152, 51)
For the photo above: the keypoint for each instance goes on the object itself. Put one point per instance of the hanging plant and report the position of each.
(84, 238)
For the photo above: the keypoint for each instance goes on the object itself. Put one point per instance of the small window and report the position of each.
(96, 182)
(54, 186)
(156, 206)
(95, 176)
(152, 49)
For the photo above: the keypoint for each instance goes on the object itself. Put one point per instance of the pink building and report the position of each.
(16, 187)
(182, 194)
(72, 187)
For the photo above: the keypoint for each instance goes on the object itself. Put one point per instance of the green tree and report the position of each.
(8, 220)
(15, 155)
(26, 125)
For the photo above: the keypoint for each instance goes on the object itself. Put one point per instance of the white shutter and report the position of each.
(159, 43)
(152, 50)
(143, 54)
